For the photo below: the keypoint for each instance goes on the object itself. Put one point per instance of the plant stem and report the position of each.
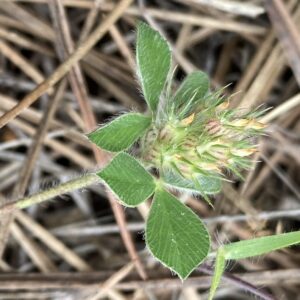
(240, 283)
(63, 188)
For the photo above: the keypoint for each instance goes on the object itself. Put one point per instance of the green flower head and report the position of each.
(197, 134)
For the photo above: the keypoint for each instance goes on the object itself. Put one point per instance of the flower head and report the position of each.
(202, 137)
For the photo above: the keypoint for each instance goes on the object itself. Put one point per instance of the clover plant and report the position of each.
(186, 141)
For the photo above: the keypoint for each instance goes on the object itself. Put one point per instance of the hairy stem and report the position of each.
(63, 188)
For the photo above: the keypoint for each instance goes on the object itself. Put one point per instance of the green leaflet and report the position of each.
(175, 235)
(193, 89)
(153, 57)
(205, 185)
(120, 133)
(128, 180)
(250, 248)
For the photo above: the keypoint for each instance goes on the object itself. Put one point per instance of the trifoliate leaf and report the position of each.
(153, 63)
(175, 235)
(120, 133)
(128, 179)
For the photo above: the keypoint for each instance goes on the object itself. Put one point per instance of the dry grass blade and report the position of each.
(78, 86)
(287, 32)
(23, 41)
(70, 238)
(282, 109)
(235, 7)
(21, 62)
(53, 243)
(112, 281)
(64, 68)
(39, 258)
(33, 153)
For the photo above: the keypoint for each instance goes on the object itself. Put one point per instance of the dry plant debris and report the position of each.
(66, 66)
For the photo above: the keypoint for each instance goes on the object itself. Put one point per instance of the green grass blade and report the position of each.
(219, 269)
(250, 248)
(262, 245)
